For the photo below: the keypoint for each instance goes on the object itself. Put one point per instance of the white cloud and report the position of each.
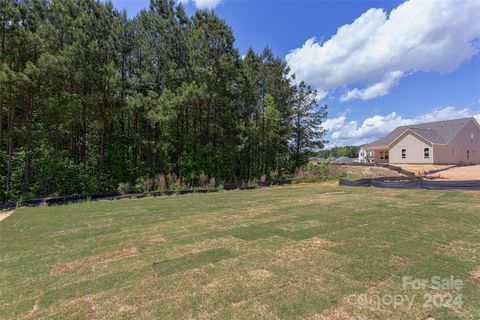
(377, 50)
(378, 89)
(321, 95)
(203, 4)
(334, 124)
(343, 132)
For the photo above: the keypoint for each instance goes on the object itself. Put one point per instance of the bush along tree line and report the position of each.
(90, 99)
(337, 152)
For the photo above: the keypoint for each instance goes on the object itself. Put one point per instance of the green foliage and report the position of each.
(124, 188)
(346, 151)
(318, 172)
(90, 99)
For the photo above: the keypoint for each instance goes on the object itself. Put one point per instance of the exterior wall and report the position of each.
(460, 144)
(414, 150)
(362, 154)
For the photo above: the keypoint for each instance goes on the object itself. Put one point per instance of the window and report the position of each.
(426, 153)
(468, 154)
(381, 155)
(472, 137)
(404, 153)
(386, 155)
(453, 152)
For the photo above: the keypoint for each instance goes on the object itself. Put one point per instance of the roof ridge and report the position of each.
(438, 121)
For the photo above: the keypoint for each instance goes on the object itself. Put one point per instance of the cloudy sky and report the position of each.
(376, 64)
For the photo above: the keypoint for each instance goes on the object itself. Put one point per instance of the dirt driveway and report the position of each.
(459, 173)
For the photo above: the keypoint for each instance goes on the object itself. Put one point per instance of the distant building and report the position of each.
(345, 160)
(317, 160)
(442, 142)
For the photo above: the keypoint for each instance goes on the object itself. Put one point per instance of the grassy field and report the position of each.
(298, 252)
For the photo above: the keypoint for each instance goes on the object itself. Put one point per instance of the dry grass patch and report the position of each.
(157, 240)
(465, 250)
(93, 261)
(475, 274)
(259, 274)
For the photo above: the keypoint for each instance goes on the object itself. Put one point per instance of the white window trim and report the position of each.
(426, 153)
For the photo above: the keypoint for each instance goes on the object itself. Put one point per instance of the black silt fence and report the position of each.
(413, 184)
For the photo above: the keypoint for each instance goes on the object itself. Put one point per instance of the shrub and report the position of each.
(161, 182)
(274, 174)
(252, 183)
(263, 178)
(124, 188)
(212, 183)
(313, 172)
(203, 180)
(147, 184)
(171, 181)
(180, 185)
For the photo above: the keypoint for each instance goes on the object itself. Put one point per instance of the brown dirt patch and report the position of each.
(93, 261)
(420, 169)
(6, 214)
(459, 173)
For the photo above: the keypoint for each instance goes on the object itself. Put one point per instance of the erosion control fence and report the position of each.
(116, 195)
(412, 183)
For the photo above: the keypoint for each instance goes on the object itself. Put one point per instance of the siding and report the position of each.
(460, 143)
(414, 147)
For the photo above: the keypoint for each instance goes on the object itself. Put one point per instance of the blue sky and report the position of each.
(391, 62)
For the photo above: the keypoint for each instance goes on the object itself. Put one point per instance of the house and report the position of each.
(442, 142)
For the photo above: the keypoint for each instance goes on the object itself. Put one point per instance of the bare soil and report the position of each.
(459, 173)
(6, 214)
(421, 169)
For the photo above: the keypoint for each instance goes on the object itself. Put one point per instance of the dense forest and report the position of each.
(336, 152)
(90, 99)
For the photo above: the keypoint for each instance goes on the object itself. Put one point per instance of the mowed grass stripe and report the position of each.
(191, 261)
(293, 252)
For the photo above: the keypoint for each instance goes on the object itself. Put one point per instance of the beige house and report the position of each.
(442, 142)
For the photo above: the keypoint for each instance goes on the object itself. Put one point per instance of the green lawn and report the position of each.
(297, 252)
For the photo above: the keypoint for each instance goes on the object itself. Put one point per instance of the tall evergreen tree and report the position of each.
(90, 98)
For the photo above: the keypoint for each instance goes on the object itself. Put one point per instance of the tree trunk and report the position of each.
(11, 118)
(1, 122)
(28, 143)
(55, 161)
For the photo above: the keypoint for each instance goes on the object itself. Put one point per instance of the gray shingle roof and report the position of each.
(439, 132)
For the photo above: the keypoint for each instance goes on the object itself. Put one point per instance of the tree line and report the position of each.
(90, 99)
(336, 152)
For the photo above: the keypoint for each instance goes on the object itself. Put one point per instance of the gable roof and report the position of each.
(439, 132)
